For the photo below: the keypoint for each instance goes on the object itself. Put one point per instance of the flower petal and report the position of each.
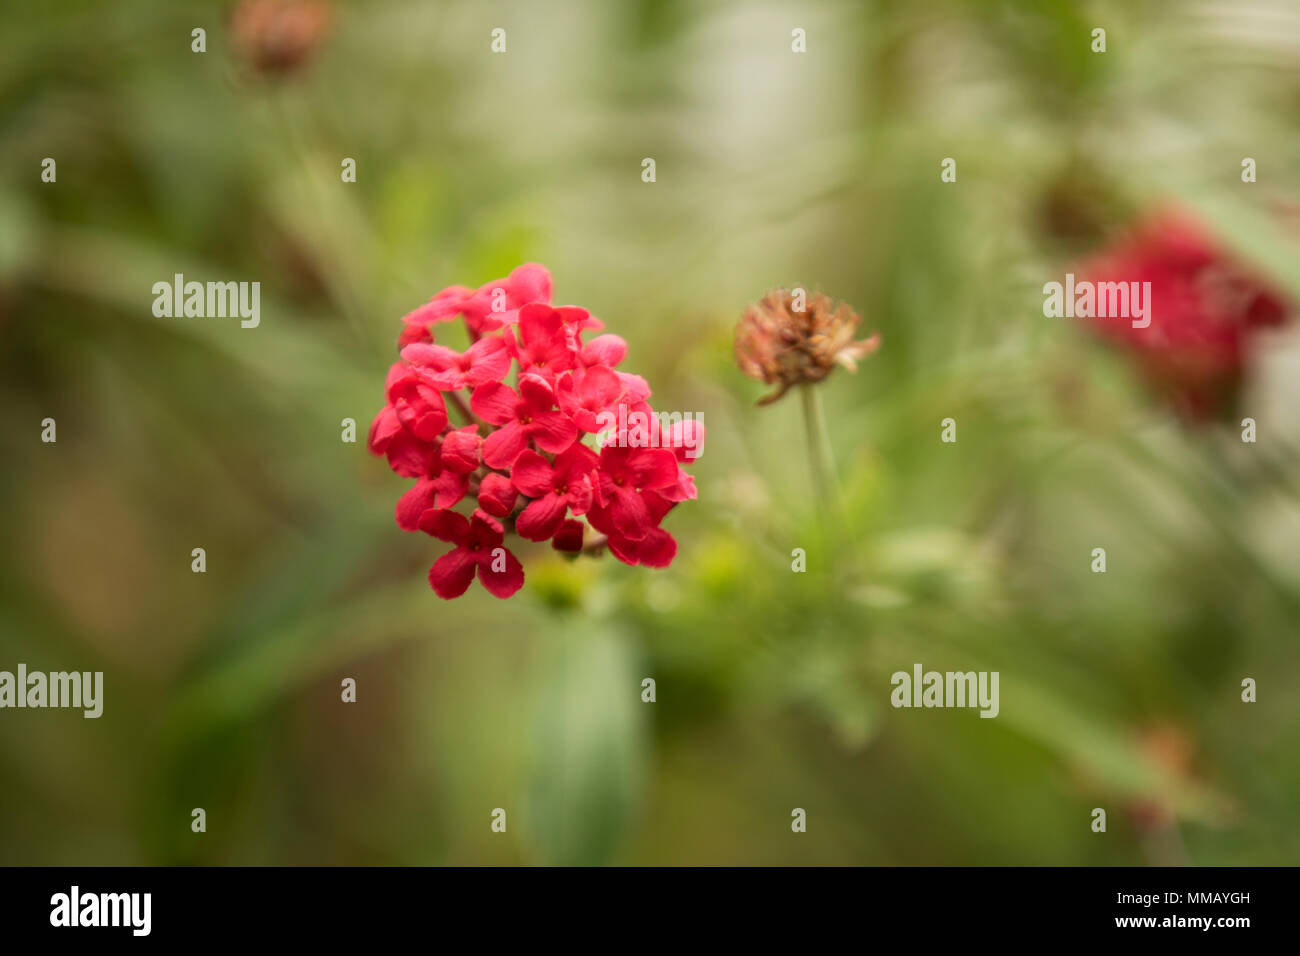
(529, 282)
(532, 474)
(608, 349)
(630, 514)
(502, 447)
(505, 582)
(417, 500)
(652, 468)
(490, 361)
(436, 357)
(494, 402)
(445, 525)
(410, 457)
(600, 388)
(451, 574)
(541, 519)
(382, 430)
(552, 431)
(535, 392)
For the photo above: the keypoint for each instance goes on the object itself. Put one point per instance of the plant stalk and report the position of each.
(820, 458)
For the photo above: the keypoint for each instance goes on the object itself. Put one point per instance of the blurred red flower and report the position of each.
(1204, 306)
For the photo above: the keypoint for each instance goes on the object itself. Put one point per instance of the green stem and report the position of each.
(819, 448)
(469, 417)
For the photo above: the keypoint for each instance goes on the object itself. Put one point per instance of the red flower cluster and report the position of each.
(521, 455)
(1205, 309)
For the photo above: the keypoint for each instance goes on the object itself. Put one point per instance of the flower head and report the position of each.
(520, 455)
(278, 36)
(790, 338)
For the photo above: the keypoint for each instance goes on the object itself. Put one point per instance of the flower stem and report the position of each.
(819, 449)
(469, 417)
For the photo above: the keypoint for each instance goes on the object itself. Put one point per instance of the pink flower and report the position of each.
(419, 406)
(443, 490)
(407, 455)
(541, 342)
(502, 457)
(635, 388)
(658, 548)
(606, 350)
(624, 478)
(555, 489)
(443, 306)
(523, 416)
(686, 441)
(444, 480)
(487, 360)
(479, 546)
(584, 394)
(497, 303)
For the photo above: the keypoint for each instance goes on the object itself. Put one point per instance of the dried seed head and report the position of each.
(791, 338)
(278, 36)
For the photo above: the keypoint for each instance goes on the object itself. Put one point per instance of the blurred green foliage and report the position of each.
(1118, 690)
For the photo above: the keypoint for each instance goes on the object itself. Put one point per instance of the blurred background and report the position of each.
(821, 169)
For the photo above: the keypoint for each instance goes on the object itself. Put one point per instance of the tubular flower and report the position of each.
(790, 338)
(520, 456)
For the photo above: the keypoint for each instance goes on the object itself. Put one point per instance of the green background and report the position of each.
(820, 169)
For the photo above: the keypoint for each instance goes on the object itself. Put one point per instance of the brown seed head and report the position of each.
(277, 36)
(783, 345)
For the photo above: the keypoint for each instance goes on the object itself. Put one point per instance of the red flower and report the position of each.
(624, 478)
(686, 440)
(584, 394)
(497, 495)
(553, 488)
(658, 548)
(479, 546)
(503, 456)
(445, 478)
(407, 455)
(419, 406)
(1204, 310)
(524, 416)
(635, 388)
(443, 306)
(603, 350)
(487, 360)
(541, 342)
(497, 304)
(443, 490)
